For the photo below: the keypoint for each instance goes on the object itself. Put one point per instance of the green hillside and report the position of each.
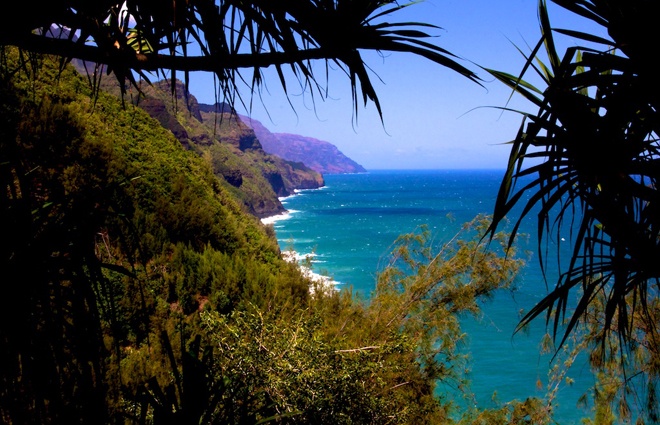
(138, 289)
(104, 204)
(229, 146)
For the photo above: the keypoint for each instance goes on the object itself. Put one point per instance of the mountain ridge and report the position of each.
(232, 149)
(319, 155)
(256, 178)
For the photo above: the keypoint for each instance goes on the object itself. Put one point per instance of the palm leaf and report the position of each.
(595, 132)
(271, 33)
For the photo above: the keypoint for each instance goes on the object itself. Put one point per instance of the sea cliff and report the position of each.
(319, 155)
(232, 149)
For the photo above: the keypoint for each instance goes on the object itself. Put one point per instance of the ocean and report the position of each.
(349, 226)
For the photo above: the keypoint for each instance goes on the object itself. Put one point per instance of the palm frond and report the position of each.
(596, 135)
(140, 35)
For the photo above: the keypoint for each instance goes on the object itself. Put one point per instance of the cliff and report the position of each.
(232, 149)
(285, 176)
(319, 155)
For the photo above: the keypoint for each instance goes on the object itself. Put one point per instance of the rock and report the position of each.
(319, 155)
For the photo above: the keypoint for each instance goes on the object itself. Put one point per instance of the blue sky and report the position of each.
(433, 118)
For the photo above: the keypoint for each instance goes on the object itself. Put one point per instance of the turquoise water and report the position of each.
(350, 224)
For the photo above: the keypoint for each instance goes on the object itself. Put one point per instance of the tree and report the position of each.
(53, 248)
(109, 228)
(55, 357)
(588, 158)
(198, 35)
(344, 360)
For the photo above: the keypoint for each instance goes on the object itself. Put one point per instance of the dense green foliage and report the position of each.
(109, 229)
(344, 360)
(139, 291)
(227, 144)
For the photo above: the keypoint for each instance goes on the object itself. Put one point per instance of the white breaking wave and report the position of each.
(273, 218)
(325, 283)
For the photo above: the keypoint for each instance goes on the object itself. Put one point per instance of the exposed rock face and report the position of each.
(248, 141)
(300, 177)
(318, 155)
(277, 183)
(283, 176)
(158, 110)
(182, 99)
(233, 177)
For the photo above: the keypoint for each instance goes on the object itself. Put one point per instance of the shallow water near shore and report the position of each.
(350, 225)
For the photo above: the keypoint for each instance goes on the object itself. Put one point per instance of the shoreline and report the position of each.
(287, 213)
(271, 219)
(318, 281)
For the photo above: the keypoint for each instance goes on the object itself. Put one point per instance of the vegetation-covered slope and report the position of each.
(232, 148)
(139, 291)
(112, 234)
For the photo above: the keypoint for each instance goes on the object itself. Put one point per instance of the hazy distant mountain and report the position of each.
(320, 156)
